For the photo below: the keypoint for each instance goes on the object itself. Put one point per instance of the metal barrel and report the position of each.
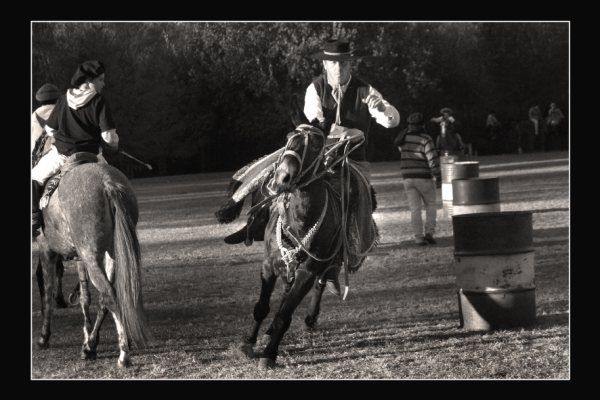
(451, 171)
(494, 267)
(475, 195)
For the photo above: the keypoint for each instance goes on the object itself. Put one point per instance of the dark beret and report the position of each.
(47, 92)
(86, 71)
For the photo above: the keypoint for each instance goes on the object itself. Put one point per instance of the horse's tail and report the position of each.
(127, 280)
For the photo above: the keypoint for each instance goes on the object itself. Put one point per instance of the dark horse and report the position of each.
(92, 215)
(302, 238)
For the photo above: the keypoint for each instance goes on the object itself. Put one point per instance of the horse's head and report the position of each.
(302, 156)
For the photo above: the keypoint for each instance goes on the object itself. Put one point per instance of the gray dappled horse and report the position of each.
(92, 215)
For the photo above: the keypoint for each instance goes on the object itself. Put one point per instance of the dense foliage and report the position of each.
(209, 96)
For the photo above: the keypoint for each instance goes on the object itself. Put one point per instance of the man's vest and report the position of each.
(353, 112)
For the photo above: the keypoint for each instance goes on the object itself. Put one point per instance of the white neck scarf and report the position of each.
(77, 98)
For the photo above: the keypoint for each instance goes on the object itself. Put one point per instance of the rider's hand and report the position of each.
(374, 101)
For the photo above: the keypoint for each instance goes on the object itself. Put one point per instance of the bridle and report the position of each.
(305, 131)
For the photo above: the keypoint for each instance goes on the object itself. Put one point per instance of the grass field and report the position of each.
(400, 320)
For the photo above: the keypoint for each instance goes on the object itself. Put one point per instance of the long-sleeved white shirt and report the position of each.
(36, 129)
(388, 118)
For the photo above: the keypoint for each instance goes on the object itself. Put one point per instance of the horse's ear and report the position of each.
(296, 113)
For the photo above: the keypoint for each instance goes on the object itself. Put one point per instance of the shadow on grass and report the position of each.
(450, 334)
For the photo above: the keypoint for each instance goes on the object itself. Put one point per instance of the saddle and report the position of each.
(73, 161)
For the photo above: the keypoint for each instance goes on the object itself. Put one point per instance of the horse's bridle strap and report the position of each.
(293, 154)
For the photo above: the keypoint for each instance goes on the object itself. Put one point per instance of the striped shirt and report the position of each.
(419, 157)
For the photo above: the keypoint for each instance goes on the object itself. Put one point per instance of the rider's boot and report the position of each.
(253, 230)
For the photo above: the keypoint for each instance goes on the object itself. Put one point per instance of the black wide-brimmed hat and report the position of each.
(446, 110)
(336, 50)
(86, 71)
(47, 92)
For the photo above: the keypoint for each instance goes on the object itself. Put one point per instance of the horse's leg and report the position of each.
(87, 353)
(104, 286)
(286, 291)
(39, 274)
(103, 310)
(315, 304)
(124, 359)
(48, 261)
(58, 296)
(261, 308)
(95, 334)
(281, 322)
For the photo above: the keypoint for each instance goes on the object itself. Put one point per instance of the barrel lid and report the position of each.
(466, 162)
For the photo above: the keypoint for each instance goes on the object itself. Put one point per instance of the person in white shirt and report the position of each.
(346, 106)
(339, 99)
(47, 95)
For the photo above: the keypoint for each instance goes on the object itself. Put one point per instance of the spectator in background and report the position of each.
(449, 141)
(419, 163)
(492, 129)
(554, 124)
(532, 135)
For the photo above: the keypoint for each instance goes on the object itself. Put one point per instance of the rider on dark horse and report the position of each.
(345, 104)
(80, 122)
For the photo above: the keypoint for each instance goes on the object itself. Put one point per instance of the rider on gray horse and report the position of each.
(80, 122)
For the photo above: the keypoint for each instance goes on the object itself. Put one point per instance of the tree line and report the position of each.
(193, 97)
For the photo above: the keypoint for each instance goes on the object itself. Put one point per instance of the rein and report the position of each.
(273, 194)
(289, 256)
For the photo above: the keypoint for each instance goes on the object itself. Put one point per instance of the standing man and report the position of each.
(492, 127)
(553, 126)
(419, 163)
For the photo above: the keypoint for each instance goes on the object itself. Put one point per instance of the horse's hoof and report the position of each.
(88, 355)
(266, 363)
(310, 323)
(126, 363)
(43, 344)
(247, 349)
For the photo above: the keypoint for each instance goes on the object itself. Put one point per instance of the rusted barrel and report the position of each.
(475, 195)
(494, 267)
(452, 171)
